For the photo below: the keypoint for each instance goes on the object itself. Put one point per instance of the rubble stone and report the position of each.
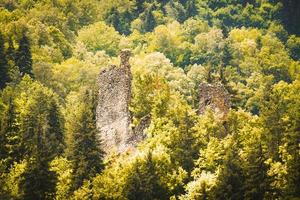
(215, 97)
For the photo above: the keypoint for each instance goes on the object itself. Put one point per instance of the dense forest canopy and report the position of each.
(51, 52)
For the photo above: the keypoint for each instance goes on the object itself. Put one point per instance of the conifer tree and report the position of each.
(7, 134)
(139, 5)
(40, 135)
(3, 64)
(120, 21)
(191, 9)
(290, 147)
(230, 183)
(256, 180)
(11, 52)
(23, 56)
(113, 18)
(3, 151)
(144, 182)
(149, 20)
(82, 146)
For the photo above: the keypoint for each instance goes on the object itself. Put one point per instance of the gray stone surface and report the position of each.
(113, 116)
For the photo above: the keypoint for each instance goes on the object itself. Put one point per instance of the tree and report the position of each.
(113, 18)
(191, 9)
(168, 39)
(120, 21)
(200, 188)
(256, 179)
(230, 180)
(11, 52)
(293, 45)
(208, 48)
(144, 182)
(13, 179)
(7, 129)
(139, 5)
(23, 56)
(82, 145)
(149, 174)
(280, 118)
(290, 15)
(41, 138)
(62, 167)
(175, 11)
(4, 77)
(100, 36)
(149, 20)
(80, 72)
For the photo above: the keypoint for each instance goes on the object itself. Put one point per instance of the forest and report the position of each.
(51, 53)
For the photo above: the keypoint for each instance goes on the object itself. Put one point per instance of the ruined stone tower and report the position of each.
(215, 97)
(113, 116)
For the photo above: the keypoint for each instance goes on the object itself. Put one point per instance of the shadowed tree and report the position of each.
(23, 56)
(3, 64)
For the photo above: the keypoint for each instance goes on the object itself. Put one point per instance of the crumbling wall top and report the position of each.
(125, 56)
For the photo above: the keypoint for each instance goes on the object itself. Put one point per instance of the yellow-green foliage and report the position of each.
(100, 36)
(48, 137)
(62, 167)
(14, 179)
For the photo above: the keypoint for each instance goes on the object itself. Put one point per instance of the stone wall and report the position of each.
(113, 116)
(215, 97)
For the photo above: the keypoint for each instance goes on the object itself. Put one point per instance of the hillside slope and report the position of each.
(216, 83)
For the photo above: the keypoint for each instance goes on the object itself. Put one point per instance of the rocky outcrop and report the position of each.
(215, 97)
(113, 116)
(139, 130)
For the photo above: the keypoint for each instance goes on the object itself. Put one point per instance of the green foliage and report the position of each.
(121, 22)
(83, 193)
(23, 56)
(82, 146)
(175, 10)
(33, 133)
(283, 137)
(40, 136)
(201, 187)
(37, 106)
(100, 36)
(229, 183)
(208, 48)
(146, 175)
(14, 178)
(62, 167)
(8, 129)
(3, 64)
(169, 41)
(144, 183)
(82, 70)
(293, 44)
(149, 20)
(49, 147)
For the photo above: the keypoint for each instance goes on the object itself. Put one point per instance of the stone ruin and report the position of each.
(215, 97)
(113, 115)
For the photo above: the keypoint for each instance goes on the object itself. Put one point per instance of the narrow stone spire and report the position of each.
(113, 115)
(125, 56)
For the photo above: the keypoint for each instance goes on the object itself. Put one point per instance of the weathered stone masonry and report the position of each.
(215, 97)
(113, 116)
